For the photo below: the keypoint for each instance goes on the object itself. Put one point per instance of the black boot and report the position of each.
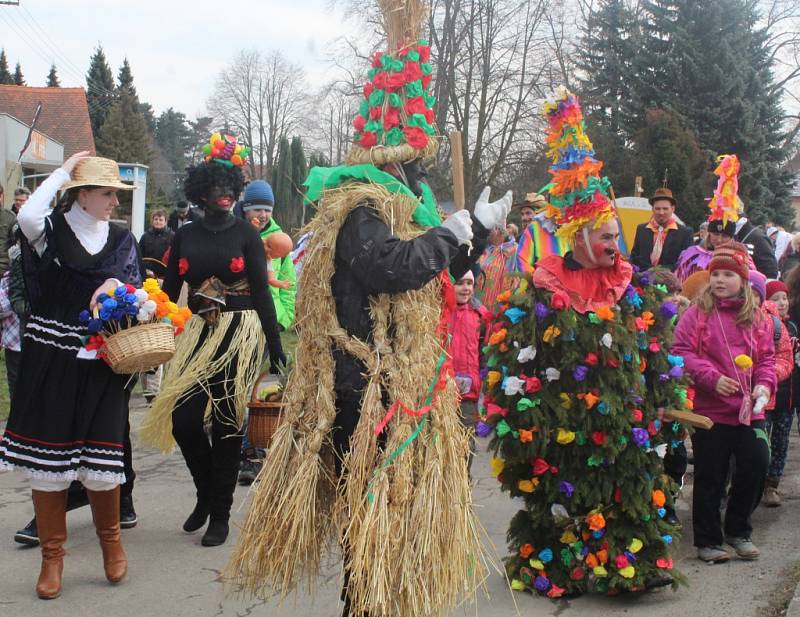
(198, 516)
(28, 535)
(127, 515)
(216, 533)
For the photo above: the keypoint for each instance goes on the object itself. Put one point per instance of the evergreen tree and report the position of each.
(19, 78)
(125, 80)
(6, 78)
(52, 78)
(99, 90)
(299, 173)
(174, 137)
(200, 129)
(282, 176)
(149, 116)
(664, 147)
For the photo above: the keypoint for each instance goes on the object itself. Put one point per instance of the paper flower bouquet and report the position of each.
(132, 329)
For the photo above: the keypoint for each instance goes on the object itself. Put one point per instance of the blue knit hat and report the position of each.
(258, 196)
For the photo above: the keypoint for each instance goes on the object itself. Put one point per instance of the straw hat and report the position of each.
(532, 200)
(96, 171)
(663, 193)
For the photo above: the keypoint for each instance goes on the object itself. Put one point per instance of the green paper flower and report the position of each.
(427, 69)
(363, 109)
(580, 438)
(394, 137)
(594, 461)
(413, 55)
(376, 98)
(395, 100)
(373, 126)
(372, 72)
(386, 62)
(417, 120)
(430, 101)
(422, 42)
(593, 318)
(566, 557)
(396, 65)
(414, 89)
(525, 403)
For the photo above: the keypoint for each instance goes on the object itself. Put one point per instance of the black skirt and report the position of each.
(68, 414)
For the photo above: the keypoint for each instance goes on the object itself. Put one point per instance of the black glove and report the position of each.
(277, 360)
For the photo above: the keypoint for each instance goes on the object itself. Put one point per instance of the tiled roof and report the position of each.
(64, 117)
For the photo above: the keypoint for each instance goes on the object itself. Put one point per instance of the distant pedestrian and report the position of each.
(661, 240)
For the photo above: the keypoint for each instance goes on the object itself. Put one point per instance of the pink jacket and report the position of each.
(465, 345)
(700, 340)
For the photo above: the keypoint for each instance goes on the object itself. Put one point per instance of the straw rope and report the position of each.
(194, 366)
(408, 521)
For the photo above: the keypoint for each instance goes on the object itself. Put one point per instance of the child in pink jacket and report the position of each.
(728, 350)
(465, 344)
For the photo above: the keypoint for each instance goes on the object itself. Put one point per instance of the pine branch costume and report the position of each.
(571, 398)
(401, 508)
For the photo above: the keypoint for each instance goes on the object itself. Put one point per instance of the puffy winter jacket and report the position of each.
(465, 344)
(370, 260)
(784, 354)
(283, 299)
(701, 340)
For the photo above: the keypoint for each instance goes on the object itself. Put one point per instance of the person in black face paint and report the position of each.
(222, 260)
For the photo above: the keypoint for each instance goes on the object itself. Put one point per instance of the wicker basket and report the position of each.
(140, 348)
(264, 416)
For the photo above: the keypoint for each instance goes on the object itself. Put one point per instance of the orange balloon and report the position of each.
(236, 160)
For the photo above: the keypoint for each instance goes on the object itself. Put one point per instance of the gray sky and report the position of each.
(176, 49)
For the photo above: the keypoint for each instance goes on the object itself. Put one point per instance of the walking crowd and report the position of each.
(417, 333)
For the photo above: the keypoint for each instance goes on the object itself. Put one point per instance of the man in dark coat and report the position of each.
(183, 214)
(661, 240)
(155, 242)
(759, 246)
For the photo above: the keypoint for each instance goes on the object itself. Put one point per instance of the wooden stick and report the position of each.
(457, 157)
(687, 417)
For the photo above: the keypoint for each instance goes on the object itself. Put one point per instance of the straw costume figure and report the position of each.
(577, 373)
(372, 454)
(218, 359)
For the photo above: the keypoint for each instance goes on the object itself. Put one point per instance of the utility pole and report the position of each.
(9, 2)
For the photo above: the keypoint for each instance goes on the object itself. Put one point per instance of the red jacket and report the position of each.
(784, 353)
(465, 344)
(700, 340)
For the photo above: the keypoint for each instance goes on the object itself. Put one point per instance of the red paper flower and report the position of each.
(379, 80)
(183, 266)
(359, 123)
(621, 561)
(368, 139)
(391, 118)
(412, 71)
(130, 288)
(599, 437)
(376, 60)
(612, 362)
(415, 137)
(429, 116)
(368, 89)
(617, 495)
(591, 359)
(395, 81)
(577, 574)
(637, 415)
(651, 428)
(532, 385)
(415, 105)
(424, 52)
(375, 113)
(560, 300)
(237, 264)
(540, 466)
(664, 563)
(426, 80)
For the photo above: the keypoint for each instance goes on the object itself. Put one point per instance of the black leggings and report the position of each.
(713, 449)
(214, 466)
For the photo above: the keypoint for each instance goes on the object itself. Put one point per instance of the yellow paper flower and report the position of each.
(568, 537)
(564, 436)
(743, 361)
(536, 564)
(528, 486)
(627, 572)
(635, 546)
(517, 585)
(566, 401)
(600, 572)
(493, 378)
(498, 465)
(551, 333)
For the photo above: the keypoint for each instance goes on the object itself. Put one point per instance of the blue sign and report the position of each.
(127, 173)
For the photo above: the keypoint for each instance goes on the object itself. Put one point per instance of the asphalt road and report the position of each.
(171, 574)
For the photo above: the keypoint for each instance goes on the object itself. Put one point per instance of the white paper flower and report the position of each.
(141, 296)
(558, 511)
(526, 354)
(149, 306)
(607, 340)
(143, 316)
(514, 385)
(552, 374)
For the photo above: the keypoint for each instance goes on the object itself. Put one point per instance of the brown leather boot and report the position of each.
(51, 519)
(105, 512)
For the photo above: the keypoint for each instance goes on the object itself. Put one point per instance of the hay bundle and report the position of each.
(406, 518)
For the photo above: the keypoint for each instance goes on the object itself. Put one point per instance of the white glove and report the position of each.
(761, 396)
(460, 223)
(492, 215)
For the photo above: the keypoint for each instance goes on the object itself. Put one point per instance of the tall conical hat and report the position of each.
(395, 121)
(725, 204)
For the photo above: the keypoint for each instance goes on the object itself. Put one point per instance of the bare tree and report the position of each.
(262, 98)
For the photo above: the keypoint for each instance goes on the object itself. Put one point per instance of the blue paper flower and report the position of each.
(676, 372)
(580, 372)
(102, 298)
(641, 437)
(667, 538)
(515, 314)
(541, 583)
(627, 356)
(567, 488)
(120, 291)
(110, 304)
(132, 310)
(669, 310)
(84, 316)
(663, 377)
(662, 512)
(602, 408)
(541, 311)
(546, 555)
(118, 313)
(94, 326)
(130, 298)
(598, 534)
(105, 314)
(482, 429)
(675, 360)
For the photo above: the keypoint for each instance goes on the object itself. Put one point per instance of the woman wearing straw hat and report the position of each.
(69, 412)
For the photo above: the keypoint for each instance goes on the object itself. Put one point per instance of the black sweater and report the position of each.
(230, 254)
